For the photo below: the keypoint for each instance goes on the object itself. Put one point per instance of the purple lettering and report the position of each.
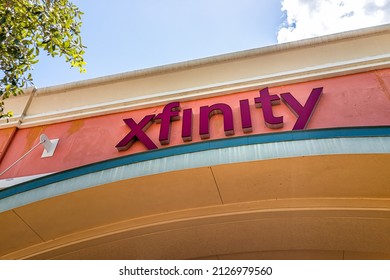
(246, 120)
(137, 132)
(207, 111)
(303, 113)
(186, 130)
(265, 101)
(170, 113)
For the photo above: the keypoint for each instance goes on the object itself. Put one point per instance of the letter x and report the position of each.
(137, 132)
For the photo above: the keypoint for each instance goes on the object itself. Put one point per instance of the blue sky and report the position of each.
(126, 35)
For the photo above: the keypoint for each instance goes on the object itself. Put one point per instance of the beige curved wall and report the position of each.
(330, 207)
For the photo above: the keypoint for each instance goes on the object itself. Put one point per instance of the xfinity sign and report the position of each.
(172, 112)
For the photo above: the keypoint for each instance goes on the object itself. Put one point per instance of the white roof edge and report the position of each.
(369, 31)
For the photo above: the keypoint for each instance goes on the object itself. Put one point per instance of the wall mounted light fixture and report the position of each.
(49, 145)
(48, 151)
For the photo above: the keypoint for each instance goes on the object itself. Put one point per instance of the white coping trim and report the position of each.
(255, 152)
(275, 79)
(300, 74)
(17, 119)
(311, 42)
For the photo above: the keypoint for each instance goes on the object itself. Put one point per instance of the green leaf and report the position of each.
(26, 27)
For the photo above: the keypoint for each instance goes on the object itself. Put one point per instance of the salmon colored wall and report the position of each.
(6, 136)
(353, 100)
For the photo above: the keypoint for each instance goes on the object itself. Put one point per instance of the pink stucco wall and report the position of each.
(347, 101)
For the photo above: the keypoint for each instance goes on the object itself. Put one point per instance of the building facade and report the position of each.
(281, 152)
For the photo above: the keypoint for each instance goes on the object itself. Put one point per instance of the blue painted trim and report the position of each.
(197, 147)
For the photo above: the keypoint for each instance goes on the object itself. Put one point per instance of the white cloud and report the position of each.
(311, 18)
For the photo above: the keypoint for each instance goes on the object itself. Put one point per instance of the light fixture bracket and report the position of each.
(49, 146)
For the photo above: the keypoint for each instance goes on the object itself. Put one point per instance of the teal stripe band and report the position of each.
(382, 131)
